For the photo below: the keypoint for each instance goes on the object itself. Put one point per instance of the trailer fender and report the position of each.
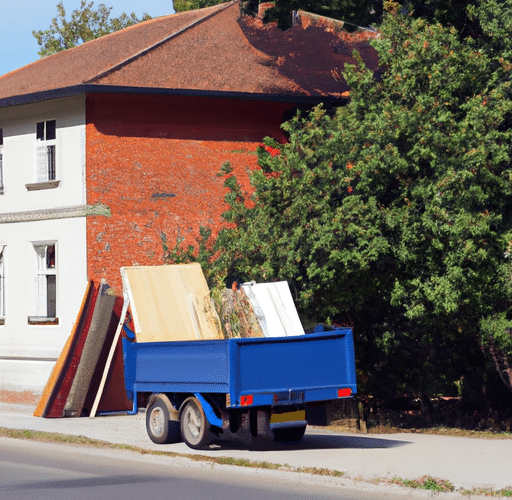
(209, 412)
(173, 412)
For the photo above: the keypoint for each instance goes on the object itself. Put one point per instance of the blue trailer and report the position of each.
(202, 390)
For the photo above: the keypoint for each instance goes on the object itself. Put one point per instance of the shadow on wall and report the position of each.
(187, 117)
(312, 53)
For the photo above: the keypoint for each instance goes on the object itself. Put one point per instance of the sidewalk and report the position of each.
(465, 462)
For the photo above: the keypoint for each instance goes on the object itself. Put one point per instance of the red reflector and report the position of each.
(344, 393)
(246, 400)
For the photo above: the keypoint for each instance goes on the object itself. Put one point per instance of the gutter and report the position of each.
(90, 88)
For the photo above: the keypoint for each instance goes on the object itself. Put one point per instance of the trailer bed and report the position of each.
(250, 372)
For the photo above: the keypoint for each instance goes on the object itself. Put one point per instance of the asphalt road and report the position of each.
(465, 462)
(45, 471)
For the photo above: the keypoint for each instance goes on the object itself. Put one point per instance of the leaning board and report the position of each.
(47, 406)
(170, 303)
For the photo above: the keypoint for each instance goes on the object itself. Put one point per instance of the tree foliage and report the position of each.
(358, 13)
(183, 5)
(86, 23)
(394, 213)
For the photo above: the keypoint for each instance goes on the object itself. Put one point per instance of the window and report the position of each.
(1, 166)
(46, 284)
(2, 285)
(46, 136)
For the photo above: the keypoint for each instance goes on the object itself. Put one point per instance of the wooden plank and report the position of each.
(50, 388)
(170, 302)
(65, 381)
(114, 397)
(111, 353)
(91, 351)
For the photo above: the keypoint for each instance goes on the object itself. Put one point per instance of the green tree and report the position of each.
(394, 214)
(183, 5)
(358, 13)
(86, 24)
(368, 12)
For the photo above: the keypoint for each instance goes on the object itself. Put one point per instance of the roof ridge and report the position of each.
(160, 42)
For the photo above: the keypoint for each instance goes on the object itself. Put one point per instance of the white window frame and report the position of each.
(46, 151)
(45, 283)
(2, 284)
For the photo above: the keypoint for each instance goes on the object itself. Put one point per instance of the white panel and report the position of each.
(275, 309)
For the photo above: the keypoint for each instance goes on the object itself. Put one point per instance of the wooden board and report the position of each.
(110, 357)
(114, 397)
(91, 351)
(170, 303)
(50, 395)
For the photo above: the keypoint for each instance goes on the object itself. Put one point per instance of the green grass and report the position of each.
(438, 431)
(425, 483)
(504, 493)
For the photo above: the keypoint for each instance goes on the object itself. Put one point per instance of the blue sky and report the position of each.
(18, 18)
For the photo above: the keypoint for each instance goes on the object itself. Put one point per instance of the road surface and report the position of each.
(45, 471)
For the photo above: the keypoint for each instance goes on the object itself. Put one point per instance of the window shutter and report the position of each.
(41, 295)
(42, 164)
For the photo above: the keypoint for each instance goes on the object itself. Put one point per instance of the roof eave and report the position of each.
(60, 93)
(47, 95)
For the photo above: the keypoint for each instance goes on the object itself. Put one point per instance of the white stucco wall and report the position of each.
(28, 351)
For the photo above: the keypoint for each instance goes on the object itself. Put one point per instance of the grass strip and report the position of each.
(52, 437)
(425, 482)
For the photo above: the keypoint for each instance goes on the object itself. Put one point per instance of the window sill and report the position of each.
(41, 320)
(36, 186)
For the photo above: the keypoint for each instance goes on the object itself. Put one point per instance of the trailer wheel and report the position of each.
(160, 429)
(195, 429)
(289, 434)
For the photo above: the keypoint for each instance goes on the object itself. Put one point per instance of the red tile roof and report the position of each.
(211, 50)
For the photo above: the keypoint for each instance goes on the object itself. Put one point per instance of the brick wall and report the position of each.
(153, 160)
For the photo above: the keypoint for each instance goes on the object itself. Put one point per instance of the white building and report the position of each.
(42, 236)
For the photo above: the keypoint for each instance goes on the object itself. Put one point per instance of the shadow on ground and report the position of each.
(317, 441)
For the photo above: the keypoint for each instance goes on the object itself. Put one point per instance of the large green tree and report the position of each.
(86, 23)
(394, 214)
(357, 13)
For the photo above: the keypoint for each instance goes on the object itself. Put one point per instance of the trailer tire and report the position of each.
(195, 429)
(289, 434)
(160, 428)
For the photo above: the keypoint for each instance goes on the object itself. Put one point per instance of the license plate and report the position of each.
(291, 416)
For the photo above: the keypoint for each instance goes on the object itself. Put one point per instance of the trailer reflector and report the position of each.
(344, 393)
(246, 400)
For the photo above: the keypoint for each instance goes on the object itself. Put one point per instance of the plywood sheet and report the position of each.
(170, 303)
(58, 386)
(274, 307)
(91, 351)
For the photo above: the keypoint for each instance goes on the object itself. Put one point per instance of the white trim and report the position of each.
(56, 213)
